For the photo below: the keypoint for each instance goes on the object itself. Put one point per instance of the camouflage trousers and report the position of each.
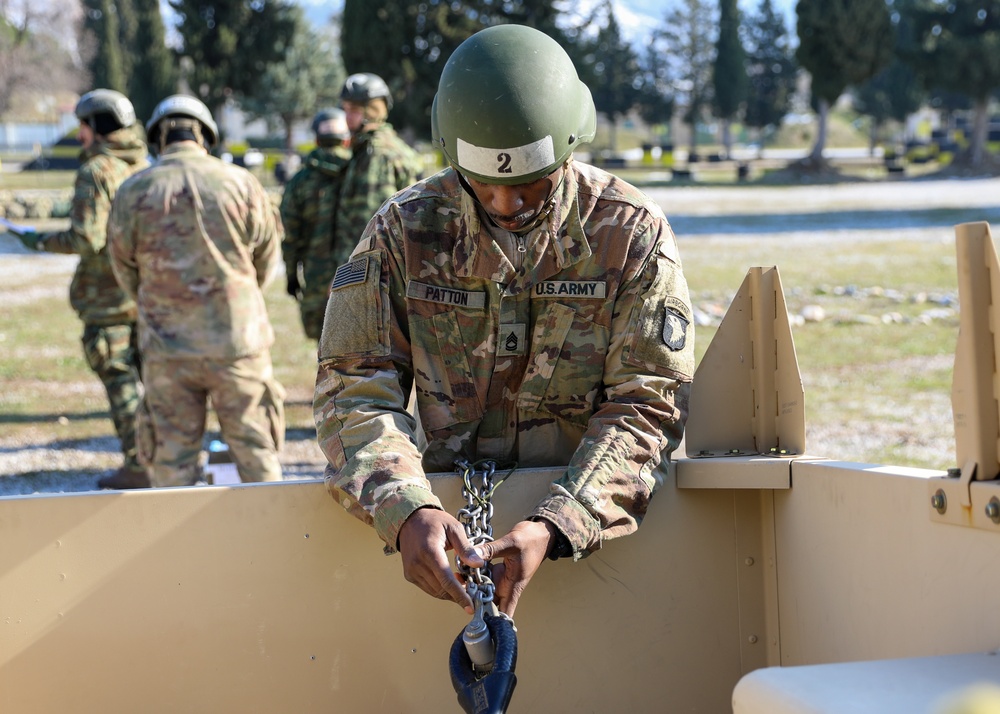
(246, 398)
(113, 355)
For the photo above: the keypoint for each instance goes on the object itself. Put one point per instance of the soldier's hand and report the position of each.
(522, 550)
(31, 240)
(424, 541)
(293, 287)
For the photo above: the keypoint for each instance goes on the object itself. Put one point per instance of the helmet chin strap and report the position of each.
(542, 215)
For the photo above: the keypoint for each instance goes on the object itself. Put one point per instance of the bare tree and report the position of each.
(38, 48)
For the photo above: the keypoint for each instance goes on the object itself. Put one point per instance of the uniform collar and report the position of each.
(553, 246)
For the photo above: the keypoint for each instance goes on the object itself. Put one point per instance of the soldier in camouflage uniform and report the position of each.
(113, 149)
(538, 305)
(381, 162)
(194, 240)
(308, 209)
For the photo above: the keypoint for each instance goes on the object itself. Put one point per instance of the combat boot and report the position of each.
(126, 477)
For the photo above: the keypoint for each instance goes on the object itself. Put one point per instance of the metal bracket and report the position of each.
(970, 496)
(747, 397)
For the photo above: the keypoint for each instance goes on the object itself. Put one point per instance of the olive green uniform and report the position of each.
(308, 212)
(108, 313)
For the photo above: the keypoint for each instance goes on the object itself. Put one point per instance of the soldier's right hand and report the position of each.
(293, 287)
(424, 541)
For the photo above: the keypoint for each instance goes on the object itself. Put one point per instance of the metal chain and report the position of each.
(475, 517)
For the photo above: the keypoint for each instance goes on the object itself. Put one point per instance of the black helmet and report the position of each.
(331, 123)
(363, 87)
(510, 107)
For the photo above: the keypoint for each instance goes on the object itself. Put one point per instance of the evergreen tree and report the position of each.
(841, 43)
(128, 23)
(309, 79)
(956, 47)
(685, 44)
(101, 23)
(231, 43)
(154, 73)
(656, 95)
(729, 77)
(893, 93)
(610, 67)
(770, 69)
(415, 39)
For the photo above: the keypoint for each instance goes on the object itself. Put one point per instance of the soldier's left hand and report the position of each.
(31, 240)
(522, 550)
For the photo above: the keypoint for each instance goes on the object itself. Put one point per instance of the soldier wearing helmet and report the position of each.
(113, 148)
(194, 240)
(381, 162)
(537, 306)
(311, 248)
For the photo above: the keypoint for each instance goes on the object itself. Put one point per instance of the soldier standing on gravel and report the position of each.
(194, 240)
(539, 307)
(381, 162)
(308, 211)
(113, 149)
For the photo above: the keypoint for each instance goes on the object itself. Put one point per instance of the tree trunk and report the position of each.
(727, 138)
(816, 156)
(980, 131)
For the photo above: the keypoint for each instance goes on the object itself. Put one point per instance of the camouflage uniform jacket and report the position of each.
(308, 209)
(381, 164)
(94, 292)
(194, 239)
(583, 356)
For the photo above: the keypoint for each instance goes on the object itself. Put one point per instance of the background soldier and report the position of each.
(308, 210)
(113, 149)
(381, 162)
(194, 240)
(538, 306)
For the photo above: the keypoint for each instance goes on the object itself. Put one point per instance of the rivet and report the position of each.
(752, 639)
(993, 510)
(749, 560)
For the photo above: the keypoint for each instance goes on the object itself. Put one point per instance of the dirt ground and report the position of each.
(72, 469)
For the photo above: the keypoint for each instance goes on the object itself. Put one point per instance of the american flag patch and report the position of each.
(350, 273)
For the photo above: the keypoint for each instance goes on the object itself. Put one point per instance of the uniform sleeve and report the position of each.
(121, 245)
(622, 458)
(266, 233)
(87, 233)
(294, 243)
(364, 379)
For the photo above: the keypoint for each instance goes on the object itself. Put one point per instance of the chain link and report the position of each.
(478, 485)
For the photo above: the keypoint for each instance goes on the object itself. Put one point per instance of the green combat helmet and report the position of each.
(177, 111)
(510, 107)
(105, 101)
(363, 87)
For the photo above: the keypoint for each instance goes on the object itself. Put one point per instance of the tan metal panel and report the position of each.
(864, 574)
(268, 597)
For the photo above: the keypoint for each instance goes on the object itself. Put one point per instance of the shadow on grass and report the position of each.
(46, 418)
(749, 224)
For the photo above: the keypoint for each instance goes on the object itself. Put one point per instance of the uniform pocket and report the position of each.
(566, 365)
(446, 387)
